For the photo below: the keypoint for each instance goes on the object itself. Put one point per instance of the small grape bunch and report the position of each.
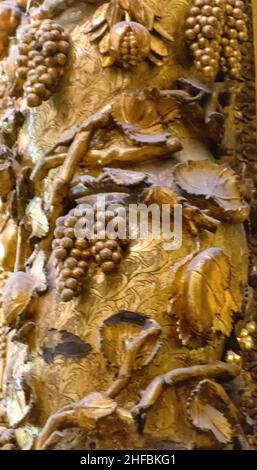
(204, 32)
(2, 341)
(234, 34)
(42, 55)
(215, 29)
(72, 256)
(107, 252)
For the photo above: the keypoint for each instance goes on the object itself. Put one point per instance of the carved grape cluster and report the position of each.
(73, 255)
(215, 29)
(2, 341)
(41, 59)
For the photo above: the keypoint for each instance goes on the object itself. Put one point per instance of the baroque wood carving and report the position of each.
(123, 342)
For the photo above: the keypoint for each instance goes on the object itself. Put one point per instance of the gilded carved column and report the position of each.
(110, 339)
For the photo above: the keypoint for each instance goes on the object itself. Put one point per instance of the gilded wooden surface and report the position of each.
(123, 344)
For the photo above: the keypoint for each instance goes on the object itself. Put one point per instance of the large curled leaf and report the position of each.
(141, 116)
(206, 406)
(202, 299)
(139, 119)
(214, 187)
(16, 296)
(21, 286)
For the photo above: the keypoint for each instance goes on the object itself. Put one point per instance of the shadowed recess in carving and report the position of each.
(64, 344)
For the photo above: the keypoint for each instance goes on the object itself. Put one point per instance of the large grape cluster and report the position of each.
(74, 253)
(215, 31)
(42, 55)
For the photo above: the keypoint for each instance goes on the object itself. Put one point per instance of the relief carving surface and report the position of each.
(127, 342)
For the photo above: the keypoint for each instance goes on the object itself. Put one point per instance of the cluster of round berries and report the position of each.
(129, 43)
(215, 31)
(42, 55)
(74, 252)
(2, 341)
(245, 337)
(130, 55)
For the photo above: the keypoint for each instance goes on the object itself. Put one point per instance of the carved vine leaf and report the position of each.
(201, 296)
(36, 218)
(110, 180)
(35, 269)
(16, 296)
(19, 397)
(127, 332)
(205, 408)
(141, 117)
(133, 12)
(21, 286)
(18, 405)
(214, 187)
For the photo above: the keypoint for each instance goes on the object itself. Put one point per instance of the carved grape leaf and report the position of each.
(19, 397)
(202, 299)
(36, 218)
(130, 332)
(141, 116)
(106, 15)
(110, 180)
(21, 286)
(36, 270)
(17, 406)
(214, 187)
(16, 296)
(205, 408)
(122, 179)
